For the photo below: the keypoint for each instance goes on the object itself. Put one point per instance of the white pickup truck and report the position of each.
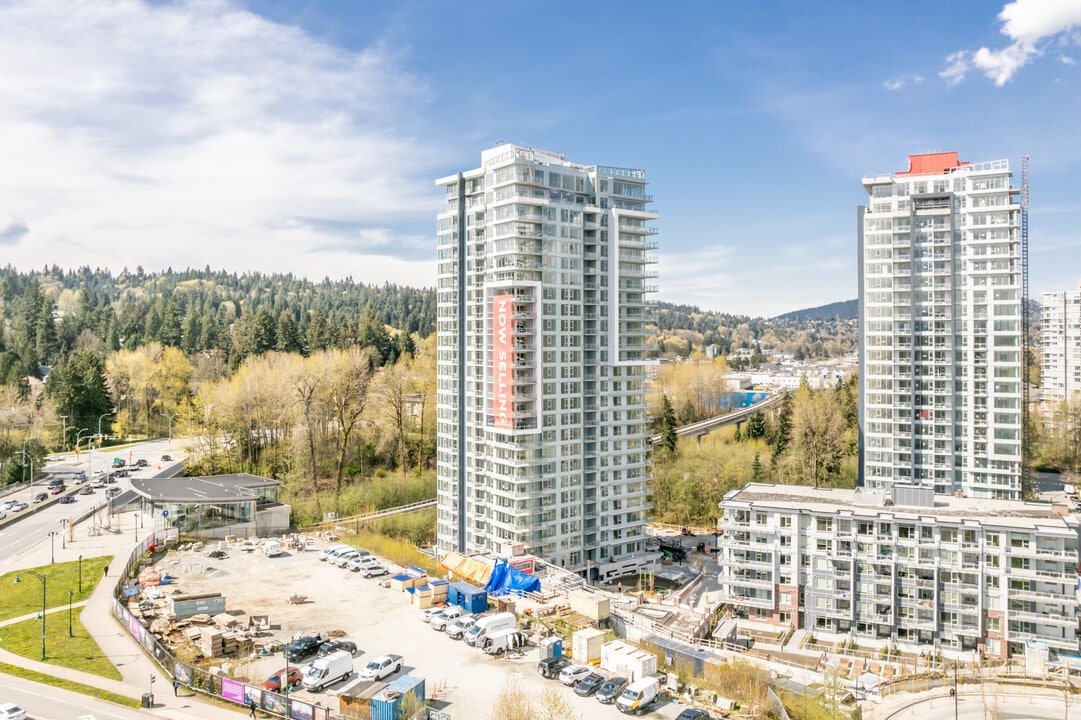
(381, 666)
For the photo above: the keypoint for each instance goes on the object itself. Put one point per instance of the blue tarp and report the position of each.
(506, 579)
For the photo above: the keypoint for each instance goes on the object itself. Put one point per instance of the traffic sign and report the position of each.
(165, 513)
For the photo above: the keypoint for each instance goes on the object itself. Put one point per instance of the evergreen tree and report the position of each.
(784, 427)
(288, 334)
(669, 438)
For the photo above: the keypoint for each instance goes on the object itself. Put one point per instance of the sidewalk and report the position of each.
(116, 644)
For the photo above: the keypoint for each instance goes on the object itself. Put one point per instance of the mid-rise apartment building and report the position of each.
(542, 419)
(903, 566)
(940, 290)
(1060, 332)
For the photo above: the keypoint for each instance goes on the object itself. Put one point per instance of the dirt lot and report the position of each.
(378, 619)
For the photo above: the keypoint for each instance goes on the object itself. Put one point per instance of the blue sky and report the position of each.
(305, 137)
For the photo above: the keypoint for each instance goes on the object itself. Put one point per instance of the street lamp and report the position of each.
(70, 593)
(284, 684)
(78, 437)
(80, 574)
(52, 547)
(31, 472)
(103, 415)
(41, 577)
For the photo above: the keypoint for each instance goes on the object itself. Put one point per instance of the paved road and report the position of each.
(25, 544)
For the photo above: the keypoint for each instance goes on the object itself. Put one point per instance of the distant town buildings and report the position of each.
(1060, 371)
(902, 565)
(543, 272)
(941, 328)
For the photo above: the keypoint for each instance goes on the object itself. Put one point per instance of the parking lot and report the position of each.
(378, 619)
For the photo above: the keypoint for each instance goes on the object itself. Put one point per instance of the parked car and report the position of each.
(381, 666)
(588, 685)
(345, 558)
(611, 689)
(11, 711)
(293, 678)
(571, 674)
(457, 628)
(66, 499)
(440, 621)
(41, 497)
(360, 562)
(304, 646)
(693, 714)
(429, 613)
(551, 667)
(374, 571)
(335, 645)
(329, 550)
(638, 695)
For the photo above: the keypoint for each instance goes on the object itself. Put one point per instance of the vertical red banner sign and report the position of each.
(503, 367)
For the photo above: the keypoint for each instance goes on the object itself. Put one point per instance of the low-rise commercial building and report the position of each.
(903, 566)
(216, 506)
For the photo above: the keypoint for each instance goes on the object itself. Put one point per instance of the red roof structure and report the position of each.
(932, 163)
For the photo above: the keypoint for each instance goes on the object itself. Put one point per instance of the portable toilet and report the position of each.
(551, 647)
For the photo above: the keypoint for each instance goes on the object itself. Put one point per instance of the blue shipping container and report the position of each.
(474, 600)
(387, 703)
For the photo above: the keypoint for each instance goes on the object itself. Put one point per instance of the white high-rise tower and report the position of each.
(542, 418)
(941, 328)
(1060, 332)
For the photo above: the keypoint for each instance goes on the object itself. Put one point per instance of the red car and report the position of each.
(274, 682)
(40, 497)
(57, 489)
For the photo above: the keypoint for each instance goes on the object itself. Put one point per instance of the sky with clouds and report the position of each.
(305, 137)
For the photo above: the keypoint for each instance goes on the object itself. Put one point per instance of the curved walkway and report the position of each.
(115, 643)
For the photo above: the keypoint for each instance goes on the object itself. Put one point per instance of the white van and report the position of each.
(638, 695)
(328, 670)
(489, 625)
(502, 641)
(272, 548)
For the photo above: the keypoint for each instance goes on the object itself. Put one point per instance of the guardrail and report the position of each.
(358, 520)
(704, 427)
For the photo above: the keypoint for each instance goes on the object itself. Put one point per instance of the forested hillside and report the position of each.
(47, 314)
(679, 330)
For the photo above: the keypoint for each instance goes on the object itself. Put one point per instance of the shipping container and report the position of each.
(405, 692)
(184, 606)
(586, 646)
(619, 658)
(472, 599)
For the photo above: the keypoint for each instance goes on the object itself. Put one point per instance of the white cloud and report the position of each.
(1028, 23)
(201, 134)
(902, 82)
(1066, 60)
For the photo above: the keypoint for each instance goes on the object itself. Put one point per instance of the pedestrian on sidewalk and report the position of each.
(176, 686)
(105, 572)
(251, 708)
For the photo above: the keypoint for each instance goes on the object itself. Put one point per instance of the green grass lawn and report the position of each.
(78, 652)
(44, 679)
(24, 597)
